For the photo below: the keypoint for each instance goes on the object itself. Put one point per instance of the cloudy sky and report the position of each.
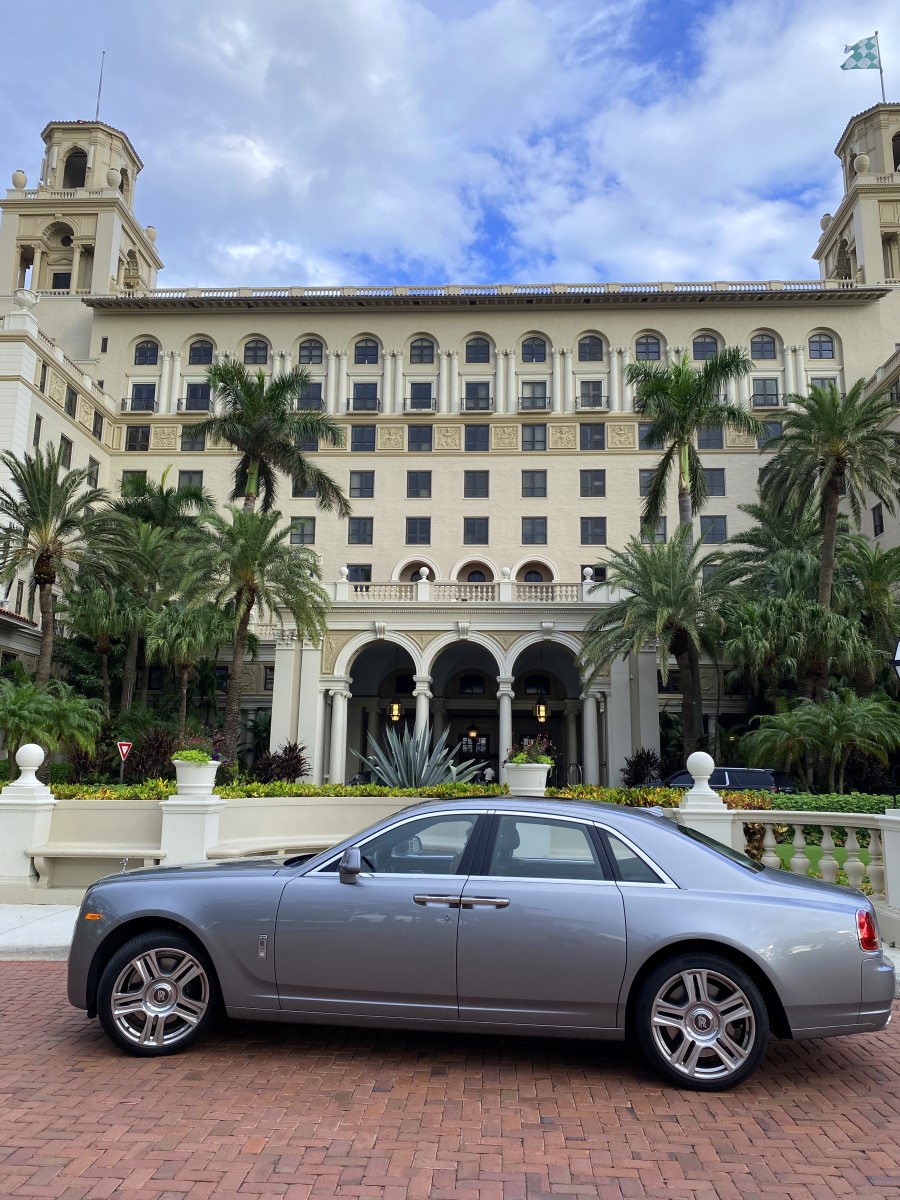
(435, 141)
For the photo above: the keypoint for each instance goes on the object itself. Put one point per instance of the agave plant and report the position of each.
(408, 763)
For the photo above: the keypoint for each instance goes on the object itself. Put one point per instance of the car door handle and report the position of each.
(448, 901)
(485, 902)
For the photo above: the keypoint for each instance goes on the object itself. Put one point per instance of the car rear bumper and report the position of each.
(877, 988)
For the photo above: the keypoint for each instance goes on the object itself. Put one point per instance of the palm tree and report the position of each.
(266, 422)
(835, 446)
(181, 633)
(678, 399)
(162, 506)
(101, 613)
(779, 554)
(50, 714)
(251, 565)
(50, 527)
(668, 600)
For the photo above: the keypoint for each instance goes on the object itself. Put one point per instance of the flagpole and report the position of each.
(880, 68)
(100, 85)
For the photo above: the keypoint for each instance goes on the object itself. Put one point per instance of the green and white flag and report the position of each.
(863, 56)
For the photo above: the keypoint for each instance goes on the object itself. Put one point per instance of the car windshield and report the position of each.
(726, 851)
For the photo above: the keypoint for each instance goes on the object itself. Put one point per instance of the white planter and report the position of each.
(195, 779)
(527, 779)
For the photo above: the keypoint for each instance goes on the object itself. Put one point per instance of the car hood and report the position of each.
(264, 865)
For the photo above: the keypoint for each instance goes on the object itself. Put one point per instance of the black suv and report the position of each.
(730, 779)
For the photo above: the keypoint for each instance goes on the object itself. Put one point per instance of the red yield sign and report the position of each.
(124, 749)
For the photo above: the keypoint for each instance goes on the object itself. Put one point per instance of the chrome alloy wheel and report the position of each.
(703, 1024)
(159, 997)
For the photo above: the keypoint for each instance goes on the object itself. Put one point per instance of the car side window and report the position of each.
(428, 846)
(631, 867)
(542, 848)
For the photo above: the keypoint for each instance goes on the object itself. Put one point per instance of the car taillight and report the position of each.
(865, 927)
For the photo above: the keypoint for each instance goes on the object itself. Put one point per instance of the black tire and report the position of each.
(701, 1022)
(158, 994)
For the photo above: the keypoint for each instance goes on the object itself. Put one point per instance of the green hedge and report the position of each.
(160, 789)
(648, 797)
(852, 802)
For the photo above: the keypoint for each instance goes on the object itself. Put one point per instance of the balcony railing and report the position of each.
(427, 404)
(504, 591)
(363, 404)
(193, 404)
(534, 404)
(139, 404)
(544, 593)
(479, 593)
(765, 400)
(594, 403)
(478, 404)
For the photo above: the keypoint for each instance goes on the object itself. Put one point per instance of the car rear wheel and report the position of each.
(701, 1022)
(157, 994)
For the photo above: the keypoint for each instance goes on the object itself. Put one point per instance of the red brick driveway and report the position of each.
(269, 1111)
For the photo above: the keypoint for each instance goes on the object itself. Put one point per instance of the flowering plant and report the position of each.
(197, 749)
(532, 750)
(191, 756)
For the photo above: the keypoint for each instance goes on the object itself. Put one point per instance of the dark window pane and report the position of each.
(362, 438)
(196, 398)
(421, 351)
(418, 485)
(256, 353)
(593, 436)
(705, 347)
(137, 437)
(143, 397)
(71, 402)
(765, 393)
(93, 474)
(534, 349)
(475, 531)
(190, 479)
(645, 478)
(418, 531)
(303, 531)
(593, 531)
(146, 354)
(478, 350)
(420, 396)
(299, 492)
(268, 679)
(97, 428)
(710, 437)
(591, 395)
(713, 530)
(593, 483)
(365, 351)
(419, 439)
(191, 439)
(534, 531)
(644, 440)
(657, 534)
(362, 484)
(590, 349)
(365, 397)
(478, 397)
(359, 531)
(647, 349)
(65, 446)
(359, 572)
(534, 483)
(773, 430)
(762, 346)
(476, 484)
(715, 480)
(534, 437)
(477, 437)
(877, 520)
(200, 353)
(821, 345)
(310, 352)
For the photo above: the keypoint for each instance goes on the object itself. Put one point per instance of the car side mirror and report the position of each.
(350, 865)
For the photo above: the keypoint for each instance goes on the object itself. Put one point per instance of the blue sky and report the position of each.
(433, 141)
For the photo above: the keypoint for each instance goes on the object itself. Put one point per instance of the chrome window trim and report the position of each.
(387, 828)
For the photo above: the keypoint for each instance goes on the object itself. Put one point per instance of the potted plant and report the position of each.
(195, 771)
(527, 765)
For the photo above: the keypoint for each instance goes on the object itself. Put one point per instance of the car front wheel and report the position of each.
(701, 1022)
(157, 994)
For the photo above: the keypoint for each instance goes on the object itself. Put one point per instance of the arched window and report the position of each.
(533, 577)
(762, 346)
(590, 349)
(146, 354)
(421, 351)
(537, 685)
(200, 353)
(256, 353)
(476, 577)
(821, 345)
(478, 350)
(310, 352)
(705, 346)
(365, 351)
(471, 685)
(534, 349)
(646, 348)
(75, 172)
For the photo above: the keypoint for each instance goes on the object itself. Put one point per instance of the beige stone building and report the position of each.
(492, 452)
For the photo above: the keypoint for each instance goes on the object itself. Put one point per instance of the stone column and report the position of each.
(602, 739)
(398, 381)
(627, 388)
(556, 386)
(571, 711)
(443, 379)
(76, 264)
(618, 724)
(505, 696)
(26, 810)
(175, 384)
(342, 393)
(190, 827)
(453, 398)
(568, 382)
(615, 403)
(36, 269)
(512, 397)
(790, 379)
(500, 382)
(340, 696)
(285, 691)
(422, 694)
(276, 363)
(318, 746)
(331, 382)
(589, 736)
(744, 388)
(387, 383)
(703, 809)
(439, 715)
(165, 375)
(288, 362)
(800, 370)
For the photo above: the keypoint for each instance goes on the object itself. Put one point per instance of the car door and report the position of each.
(384, 946)
(542, 927)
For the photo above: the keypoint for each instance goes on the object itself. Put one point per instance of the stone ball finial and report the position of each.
(505, 573)
(861, 164)
(826, 220)
(344, 573)
(19, 180)
(588, 573)
(423, 573)
(25, 298)
(701, 765)
(151, 233)
(30, 756)
(113, 178)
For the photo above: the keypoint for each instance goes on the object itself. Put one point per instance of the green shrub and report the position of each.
(160, 789)
(851, 802)
(649, 797)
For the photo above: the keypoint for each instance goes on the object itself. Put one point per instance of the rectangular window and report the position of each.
(65, 447)
(773, 430)
(312, 397)
(143, 397)
(42, 383)
(476, 484)
(221, 676)
(190, 479)
(71, 402)
(823, 381)
(593, 531)
(591, 393)
(419, 439)
(477, 397)
(362, 438)
(534, 395)
(708, 570)
(365, 397)
(97, 428)
(657, 534)
(303, 531)
(61, 281)
(20, 596)
(715, 480)
(359, 572)
(475, 531)
(599, 573)
(268, 679)
(156, 679)
(709, 437)
(534, 437)
(299, 492)
(592, 436)
(877, 520)
(191, 439)
(534, 531)
(104, 345)
(765, 393)
(196, 397)
(132, 477)
(534, 483)
(713, 530)
(646, 481)
(36, 436)
(645, 442)
(420, 396)
(593, 483)
(418, 531)
(307, 445)
(418, 485)
(137, 437)
(359, 531)
(93, 472)
(477, 438)
(362, 485)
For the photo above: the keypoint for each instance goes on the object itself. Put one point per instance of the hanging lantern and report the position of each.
(395, 710)
(540, 711)
(472, 732)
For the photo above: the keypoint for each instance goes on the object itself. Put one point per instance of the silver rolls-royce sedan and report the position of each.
(497, 915)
